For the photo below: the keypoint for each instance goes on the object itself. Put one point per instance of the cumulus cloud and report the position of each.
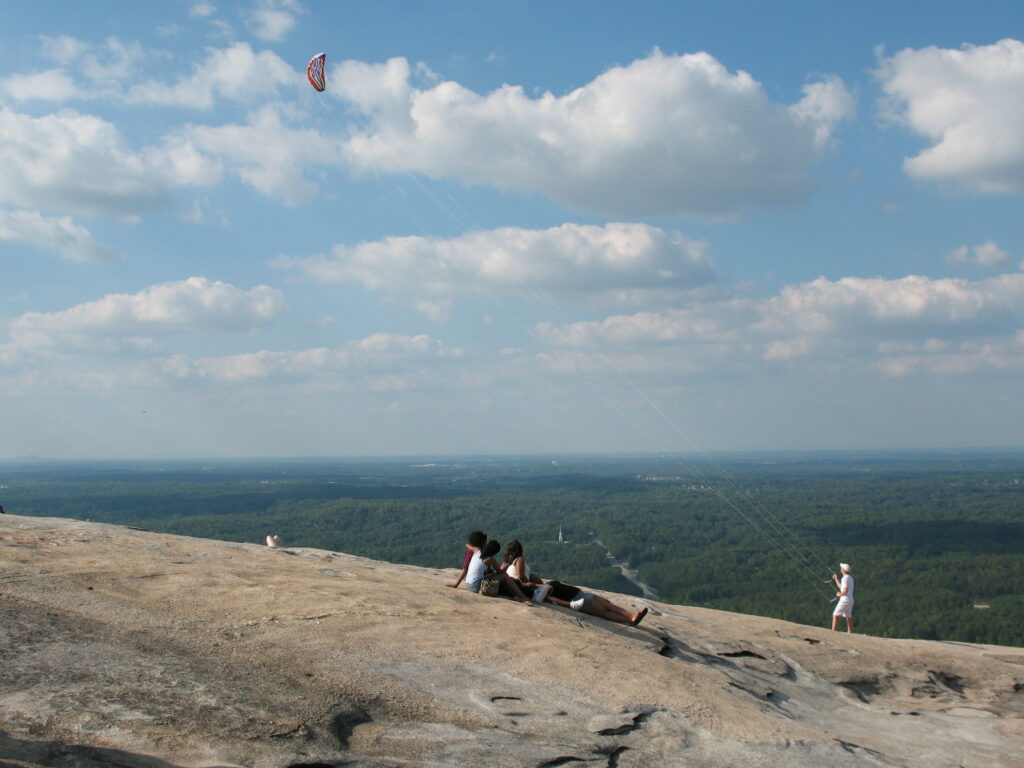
(61, 235)
(102, 70)
(987, 254)
(49, 85)
(622, 264)
(272, 19)
(62, 49)
(852, 320)
(969, 103)
(80, 164)
(111, 70)
(388, 355)
(122, 322)
(269, 154)
(667, 134)
(237, 72)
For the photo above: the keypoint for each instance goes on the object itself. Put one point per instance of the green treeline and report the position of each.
(929, 540)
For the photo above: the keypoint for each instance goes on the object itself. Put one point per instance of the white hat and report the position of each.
(845, 567)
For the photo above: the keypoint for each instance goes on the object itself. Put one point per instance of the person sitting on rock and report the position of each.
(473, 544)
(506, 583)
(514, 564)
(482, 565)
(575, 598)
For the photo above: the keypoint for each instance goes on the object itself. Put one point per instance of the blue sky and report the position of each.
(509, 228)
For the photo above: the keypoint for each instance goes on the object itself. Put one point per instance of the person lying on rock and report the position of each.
(575, 598)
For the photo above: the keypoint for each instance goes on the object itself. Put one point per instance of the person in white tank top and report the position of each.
(514, 563)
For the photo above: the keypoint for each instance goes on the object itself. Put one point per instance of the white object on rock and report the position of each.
(274, 541)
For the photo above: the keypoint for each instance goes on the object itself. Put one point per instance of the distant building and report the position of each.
(561, 539)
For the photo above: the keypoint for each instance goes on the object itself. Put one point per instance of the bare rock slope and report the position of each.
(122, 647)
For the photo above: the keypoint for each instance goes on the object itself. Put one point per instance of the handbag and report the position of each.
(489, 586)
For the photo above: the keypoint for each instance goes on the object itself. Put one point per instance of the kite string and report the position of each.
(781, 536)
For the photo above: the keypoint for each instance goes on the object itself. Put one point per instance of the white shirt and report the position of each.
(477, 570)
(513, 571)
(847, 584)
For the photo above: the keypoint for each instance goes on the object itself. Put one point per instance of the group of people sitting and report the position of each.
(513, 579)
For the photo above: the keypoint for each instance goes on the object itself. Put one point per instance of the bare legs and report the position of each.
(849, 623)
(606, 609)
(510, 584)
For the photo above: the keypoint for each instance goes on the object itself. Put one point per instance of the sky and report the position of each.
(509, 228)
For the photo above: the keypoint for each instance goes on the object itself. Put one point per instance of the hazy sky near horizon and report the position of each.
(509, 227)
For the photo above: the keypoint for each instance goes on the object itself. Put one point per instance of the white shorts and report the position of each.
(844, 608)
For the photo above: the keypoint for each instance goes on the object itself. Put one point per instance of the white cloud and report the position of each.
(104, 67)
(202, 9)
(268, 154)
(272, 19)
(111, 70)
(970, 104)
(61, 235)
(63, 48)
(70, 162)
(621, 264)
(49, 85)
(852, 321)
(236, 72)
(664, 135)
(113, 63)
(122, 322)
(389, 357)
(987, 254)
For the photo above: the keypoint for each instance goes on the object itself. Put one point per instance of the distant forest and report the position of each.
(936, 541)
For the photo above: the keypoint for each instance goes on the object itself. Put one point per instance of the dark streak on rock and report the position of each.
(562, 760)
(613, 756)
(862, 689)
(735, 654)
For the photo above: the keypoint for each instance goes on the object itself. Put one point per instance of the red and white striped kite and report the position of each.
(315, 71)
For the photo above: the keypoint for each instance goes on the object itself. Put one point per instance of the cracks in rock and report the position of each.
(855, 749)
(864, 689)
(741, 654)
(563, 760)
(613, 756)
(955, 683)
(622, 730)
(344, 723)
(939, 685)
(769, 694)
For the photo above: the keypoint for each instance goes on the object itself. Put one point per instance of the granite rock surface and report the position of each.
(120, 647)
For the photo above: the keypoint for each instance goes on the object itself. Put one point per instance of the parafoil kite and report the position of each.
(315, 71)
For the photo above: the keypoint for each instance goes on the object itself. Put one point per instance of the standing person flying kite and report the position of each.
(844, 607)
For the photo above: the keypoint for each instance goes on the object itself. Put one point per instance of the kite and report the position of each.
(315, 71)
